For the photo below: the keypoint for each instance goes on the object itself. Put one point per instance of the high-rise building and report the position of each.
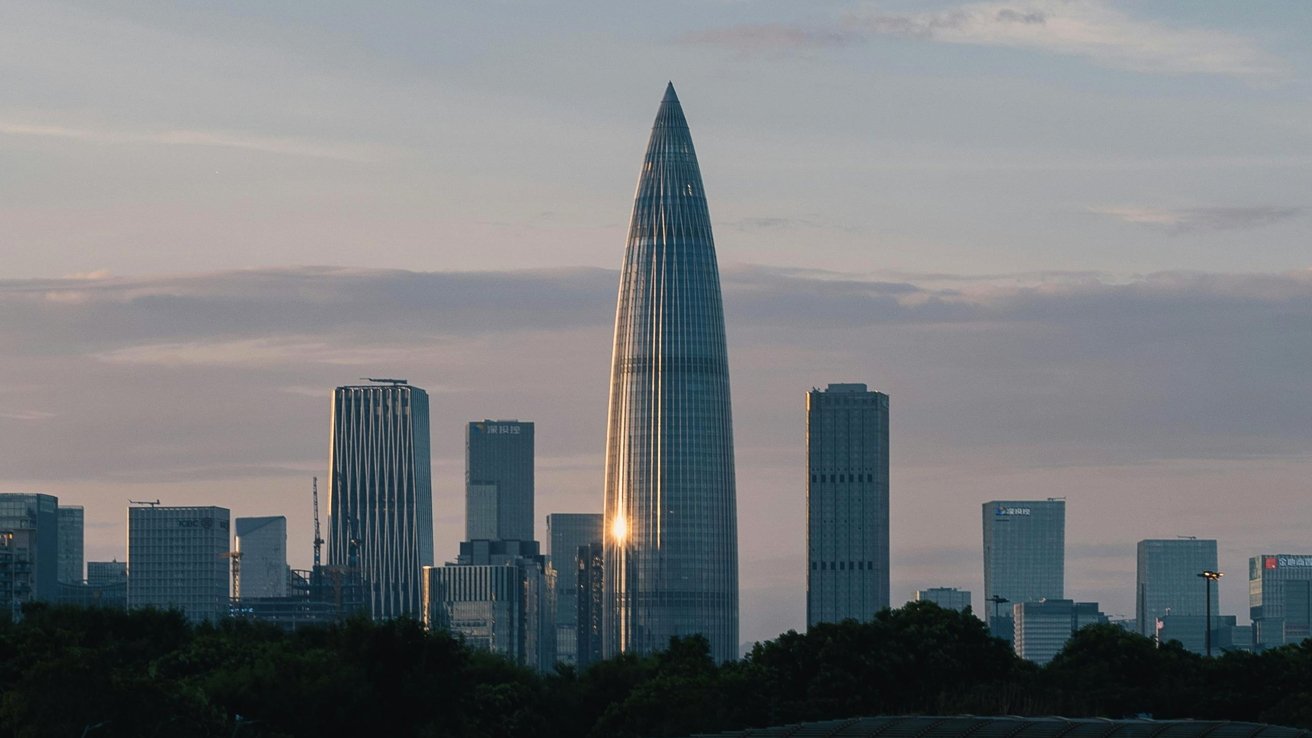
(498, 596)
(671, 521)
(846, 503)
(590, 592)
(1167, 583)
(1043, 627)
(177, 558)
(17, 572)
(262, 543)
(107, 572)
(1280, 599)
(380, 504)
(948, 598)
(499, 481)
(71, 521)
(566, 532)
(37, 513)
(1024, 556)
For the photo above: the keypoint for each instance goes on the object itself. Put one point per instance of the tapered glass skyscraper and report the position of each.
(671, 548)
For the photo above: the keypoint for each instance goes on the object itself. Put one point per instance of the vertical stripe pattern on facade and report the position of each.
(380, 504)
(670, 513)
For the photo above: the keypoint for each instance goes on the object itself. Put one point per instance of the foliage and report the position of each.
(64, 670)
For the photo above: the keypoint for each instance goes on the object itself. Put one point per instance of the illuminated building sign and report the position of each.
(1276, 562)
(1003, 511)
(506, 430)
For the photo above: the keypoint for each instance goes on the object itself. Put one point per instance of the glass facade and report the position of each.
(846, 503)
(176, 559)
(38, 515)
(71, 541)
(1280, 599)
(380, 504)
(1024, 556)
(566, 533)
(670, 517)
(262, 543)
(1167, 583)
(499, 481)
(948, 598)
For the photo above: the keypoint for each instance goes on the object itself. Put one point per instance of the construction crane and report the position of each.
(318, 539)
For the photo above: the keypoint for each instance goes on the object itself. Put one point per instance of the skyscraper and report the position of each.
(566, 532)
(38, 515)
(176, 559)
(846, 503)
(262, 543)
(71, 521)
(380, 506)
(1280, 599)
(1167, 583)
(671, 522)
(1024, 557)
(499, 481)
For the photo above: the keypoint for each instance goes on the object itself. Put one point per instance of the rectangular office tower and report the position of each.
(1167, 583)
(948, 598)
(1024, 557)
(71, 521)
(1280, 599)
(262, 543)
(566, 533)
(499, 481)
(177, 559)
(846, 503)
(380, 504)
(34, 519)
(1042, 628)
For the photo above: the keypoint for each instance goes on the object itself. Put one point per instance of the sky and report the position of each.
(1070, 239)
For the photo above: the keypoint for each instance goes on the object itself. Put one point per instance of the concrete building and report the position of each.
(1024, 557)
(262, 543)
(177, 558)
(498, 596)
(670, 496)
(71, 523)
(37, 513)
(380, 504)
(948, 598)
(1280, 599)
(589, 596)
(846, 503)
(1042, 628)
(1167, 583)
(566, 533)
(499, 481)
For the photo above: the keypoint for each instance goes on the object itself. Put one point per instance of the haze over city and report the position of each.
(1068, 239)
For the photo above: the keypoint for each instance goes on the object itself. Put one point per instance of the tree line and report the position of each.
(68, 671)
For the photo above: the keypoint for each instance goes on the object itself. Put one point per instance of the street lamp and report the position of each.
(997, 600)
(1209, 576)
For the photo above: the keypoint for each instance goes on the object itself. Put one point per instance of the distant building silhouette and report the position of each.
(72, 519)
(846, 503)
(380, 504)
(1042, 628)
(1024, 556)
(948, 598)
(589, 596)
(566, 533)
(177, 559)
(1167, 584)
(1280, 599)
(262, 543)
(37, 549)
(499, 481)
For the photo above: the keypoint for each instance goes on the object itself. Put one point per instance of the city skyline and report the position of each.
(1093, 284)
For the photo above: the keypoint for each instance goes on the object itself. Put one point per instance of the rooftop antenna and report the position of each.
(143, 502)
(1188, 538)
(384, 380)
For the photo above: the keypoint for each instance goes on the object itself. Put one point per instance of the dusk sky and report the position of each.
(1071, 240)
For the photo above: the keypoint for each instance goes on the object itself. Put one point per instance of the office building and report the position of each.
(177, 558)
(38, 514)
(107, 572)
(1167, 582)
(498, 596)
(671, 520)
(589, 596)
(948, 598)
(499, 481)
(17, 571)
(1042, 628)
(566, 533)
(1024, 557)
(262, 544)
(71, 521)
(380, 503)
(1280, 599)
(846, 503)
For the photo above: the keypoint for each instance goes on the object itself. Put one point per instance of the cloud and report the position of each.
(1091, 29)
(1194, 220)
(281, 145)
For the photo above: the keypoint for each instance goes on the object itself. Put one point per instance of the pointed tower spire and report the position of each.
(670, 503)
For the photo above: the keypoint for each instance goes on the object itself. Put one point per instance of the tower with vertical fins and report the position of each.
(671, 533)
